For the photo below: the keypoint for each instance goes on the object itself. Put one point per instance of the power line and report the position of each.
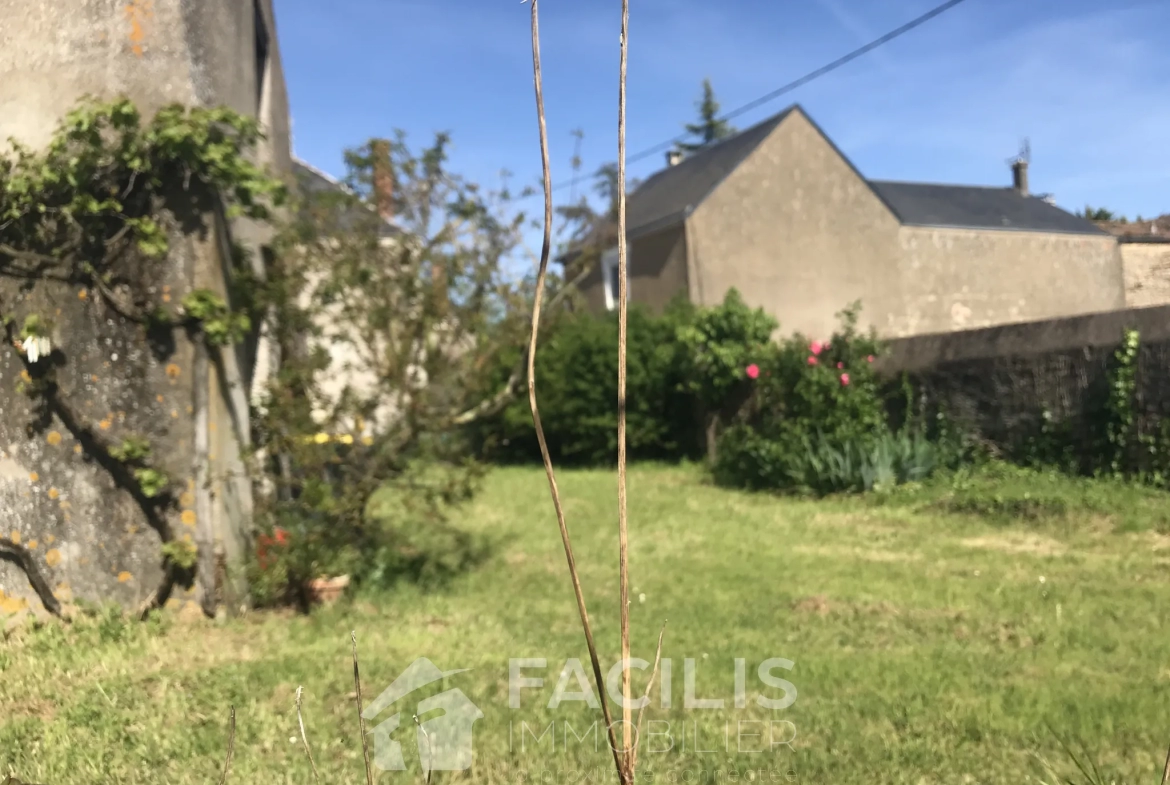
(801, 82)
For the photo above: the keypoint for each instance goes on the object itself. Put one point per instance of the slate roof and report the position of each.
(313, 181)
(974, 207)
(669, 195)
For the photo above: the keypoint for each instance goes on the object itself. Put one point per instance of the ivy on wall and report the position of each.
(97, 208)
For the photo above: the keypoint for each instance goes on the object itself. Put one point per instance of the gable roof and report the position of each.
(976, 207)
(671, 194)
(313, 182)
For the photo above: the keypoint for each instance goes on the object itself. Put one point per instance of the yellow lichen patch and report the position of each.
(190, 409)
(188, 517)
(166, 298)
(158, 398)
(77, 449)
(15, 537)
(54, 438)
(175, 413)
(124, 576)
(92, 378)
(65, 505)
(190, 484)
(52, 557)
(33, 477)
(172, 603)
(187, 499)
(24, 377)
(105, 425)
(12, 604)
(32, 545)
(173, 371)
(81, 295)
(54, 493)
(132, 530)
(50, 539)
(187, 537)
(137, 13)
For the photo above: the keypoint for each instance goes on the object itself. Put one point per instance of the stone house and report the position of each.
(83, 526)
(1145, 259)
(781, 214)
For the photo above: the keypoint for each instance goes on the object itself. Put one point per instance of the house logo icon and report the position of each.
(444, 741)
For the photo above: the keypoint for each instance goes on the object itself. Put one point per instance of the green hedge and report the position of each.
(576, 375)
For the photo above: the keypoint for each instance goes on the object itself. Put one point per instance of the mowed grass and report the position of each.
(950, 635)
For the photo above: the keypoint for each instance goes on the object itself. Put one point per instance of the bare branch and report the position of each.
(642, 711)
(231, 746)
(542, 273)
(304, 738)
(22, 558)
(491, 406)
(357, 686)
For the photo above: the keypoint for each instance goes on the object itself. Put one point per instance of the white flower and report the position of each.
(35, 346)
(641, 597)
(1042, 579)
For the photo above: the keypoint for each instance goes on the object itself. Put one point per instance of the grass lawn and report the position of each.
(936, 636)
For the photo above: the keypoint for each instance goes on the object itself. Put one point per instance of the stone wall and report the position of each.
(1147, 272)
(999, 382)
(84, 522)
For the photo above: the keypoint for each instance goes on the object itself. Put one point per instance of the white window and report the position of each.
(611, 281)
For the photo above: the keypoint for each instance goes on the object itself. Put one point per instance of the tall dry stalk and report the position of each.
(541, 275)
(623, 294)
(625, 758)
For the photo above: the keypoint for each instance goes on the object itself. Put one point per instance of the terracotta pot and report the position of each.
(326, 591)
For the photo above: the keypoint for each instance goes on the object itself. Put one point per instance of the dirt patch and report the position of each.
(1017, 542)
(30, 707)
(818, 604)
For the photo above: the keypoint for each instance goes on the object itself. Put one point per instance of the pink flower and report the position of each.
(844, 380)
(812, 360)
(753, 371)
(840, 365)
(869, 359)
(826, 346)
(816, 347)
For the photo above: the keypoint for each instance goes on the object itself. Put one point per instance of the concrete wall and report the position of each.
(955, 279)
(796, 230)
(93, 537)
(1146, 267)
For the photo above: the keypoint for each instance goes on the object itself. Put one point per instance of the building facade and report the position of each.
(779, 213)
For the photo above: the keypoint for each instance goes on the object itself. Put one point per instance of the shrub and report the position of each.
(577, 383)
(816, 422)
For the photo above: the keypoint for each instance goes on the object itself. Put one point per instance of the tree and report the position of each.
(388, 337)
(1099, 214)
(710, 128)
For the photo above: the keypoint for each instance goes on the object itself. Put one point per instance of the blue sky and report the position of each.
(948, 102)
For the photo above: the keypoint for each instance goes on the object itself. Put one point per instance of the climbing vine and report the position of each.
(97, 209)
(1121, 402)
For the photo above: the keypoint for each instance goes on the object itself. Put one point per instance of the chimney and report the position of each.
(673, 157)
(383, 178)
(1020, 176)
